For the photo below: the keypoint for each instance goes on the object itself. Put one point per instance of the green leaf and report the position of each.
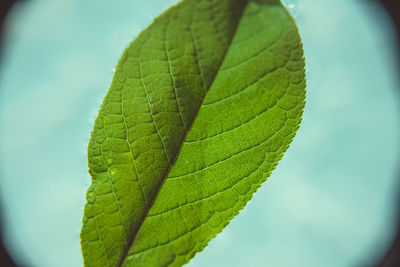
(202, 106)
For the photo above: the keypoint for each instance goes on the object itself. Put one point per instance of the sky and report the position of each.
(331, 200)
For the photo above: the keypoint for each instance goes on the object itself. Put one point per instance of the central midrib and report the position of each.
(165, 175)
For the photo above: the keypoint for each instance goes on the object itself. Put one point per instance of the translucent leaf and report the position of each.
(202, 106)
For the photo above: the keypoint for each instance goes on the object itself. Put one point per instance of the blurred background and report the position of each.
(333, 199)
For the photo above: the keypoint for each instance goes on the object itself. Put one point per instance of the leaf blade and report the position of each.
(260, 30)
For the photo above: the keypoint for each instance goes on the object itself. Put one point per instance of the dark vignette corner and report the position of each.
(392, 256)
(5, 259)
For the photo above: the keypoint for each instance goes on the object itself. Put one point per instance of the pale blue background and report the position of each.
(331, 200)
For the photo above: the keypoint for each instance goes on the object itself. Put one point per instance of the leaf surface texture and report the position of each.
(202, 106)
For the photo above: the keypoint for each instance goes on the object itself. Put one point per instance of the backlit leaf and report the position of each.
(202, 106)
